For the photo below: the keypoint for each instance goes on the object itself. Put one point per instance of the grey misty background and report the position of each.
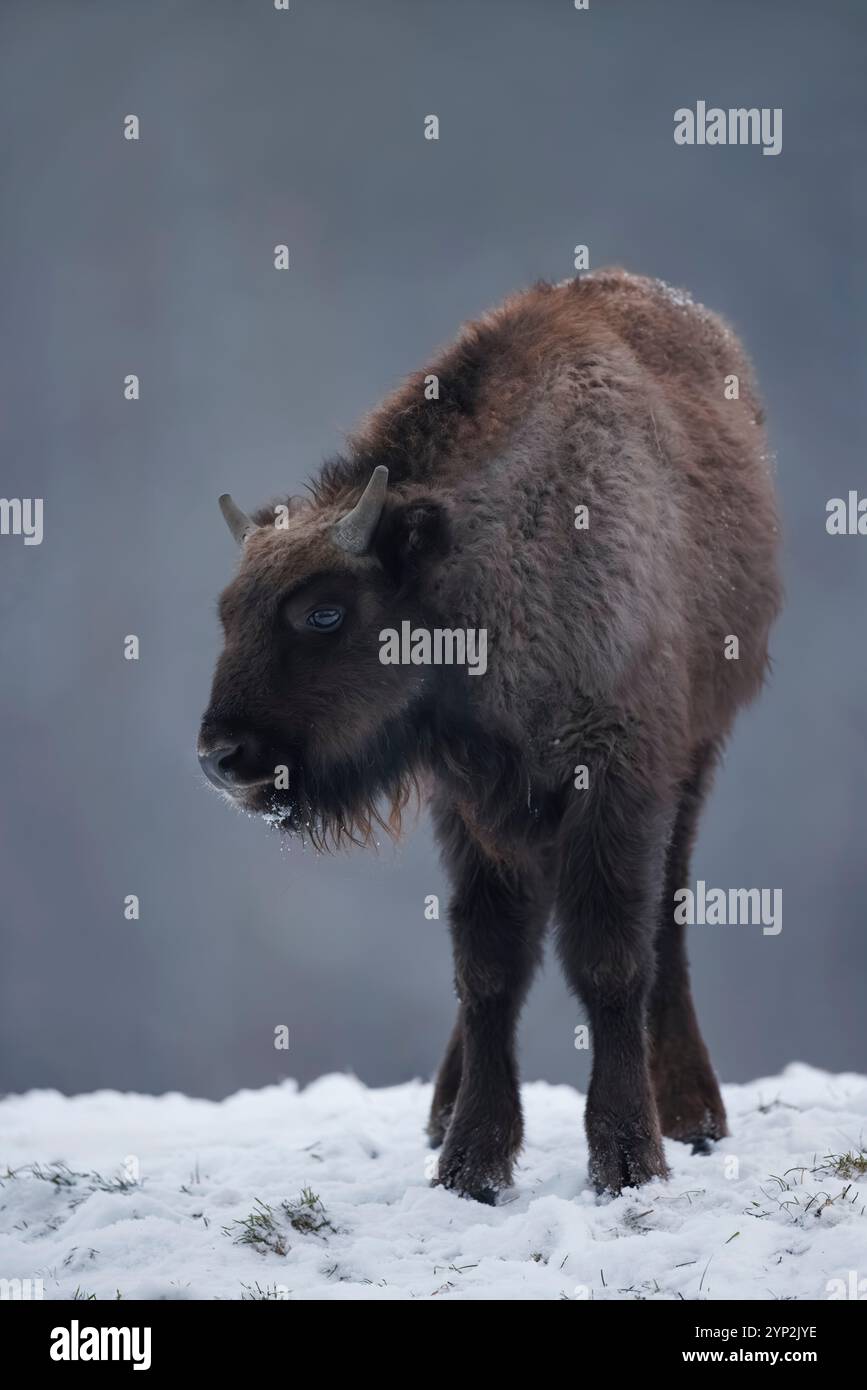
(156, 258)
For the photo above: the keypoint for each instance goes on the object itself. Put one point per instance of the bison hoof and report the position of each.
(486, 1195)
(480, 1181)
(692, 1111)
(610, 1176)
(698, 1127)
(625, 1157)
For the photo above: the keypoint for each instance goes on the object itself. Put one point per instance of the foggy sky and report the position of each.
(156, 258)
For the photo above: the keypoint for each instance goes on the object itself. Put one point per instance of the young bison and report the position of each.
(459, 505)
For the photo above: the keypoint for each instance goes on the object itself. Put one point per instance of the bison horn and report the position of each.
(354, 532)
(237, 521)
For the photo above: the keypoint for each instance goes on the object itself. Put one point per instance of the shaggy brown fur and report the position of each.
(606, 649)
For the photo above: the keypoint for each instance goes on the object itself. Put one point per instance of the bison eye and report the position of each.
(325, 619)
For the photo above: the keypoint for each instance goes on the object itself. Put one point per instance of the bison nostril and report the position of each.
(234, 764)
(216, 763)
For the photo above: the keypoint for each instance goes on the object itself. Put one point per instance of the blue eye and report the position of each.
(325, 619)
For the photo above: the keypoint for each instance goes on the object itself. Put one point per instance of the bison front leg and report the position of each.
(608, 901)
(498, 916)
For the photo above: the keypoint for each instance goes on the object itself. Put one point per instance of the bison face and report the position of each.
(306, 726)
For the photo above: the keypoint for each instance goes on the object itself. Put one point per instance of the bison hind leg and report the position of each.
(446, 1088)
(687, 1092)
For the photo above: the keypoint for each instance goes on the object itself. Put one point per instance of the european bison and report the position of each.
(582, 476)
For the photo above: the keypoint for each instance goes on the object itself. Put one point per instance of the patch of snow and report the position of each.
(161, 1197)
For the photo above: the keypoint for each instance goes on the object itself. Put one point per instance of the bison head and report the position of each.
(306, 726)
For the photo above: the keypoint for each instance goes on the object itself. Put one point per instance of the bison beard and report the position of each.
(347, 804)
(608, 655)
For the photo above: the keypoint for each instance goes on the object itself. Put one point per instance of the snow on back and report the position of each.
(681, 298)
(325, 1194)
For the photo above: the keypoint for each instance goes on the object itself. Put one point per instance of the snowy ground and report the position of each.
(324, 1194)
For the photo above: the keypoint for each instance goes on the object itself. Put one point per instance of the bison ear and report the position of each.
(410, 534)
